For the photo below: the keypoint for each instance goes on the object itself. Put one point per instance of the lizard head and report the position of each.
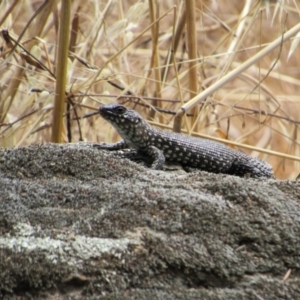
(119, 115)
(129, 124)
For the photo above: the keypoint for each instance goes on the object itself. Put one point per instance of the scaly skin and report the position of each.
(189, 151)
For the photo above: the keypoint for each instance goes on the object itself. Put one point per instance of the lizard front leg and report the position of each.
(157, 156)
(116, 146)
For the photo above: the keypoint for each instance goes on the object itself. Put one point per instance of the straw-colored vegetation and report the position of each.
(154, 56)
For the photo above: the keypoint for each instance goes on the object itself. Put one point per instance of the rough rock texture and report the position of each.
(81, 223)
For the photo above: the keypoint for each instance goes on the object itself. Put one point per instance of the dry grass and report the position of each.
(137, 52)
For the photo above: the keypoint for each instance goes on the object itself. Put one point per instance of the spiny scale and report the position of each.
(191, 152)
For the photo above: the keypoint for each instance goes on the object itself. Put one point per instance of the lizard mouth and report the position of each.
(118, 114)
(115, 110)
(106, 113)
(114, 117)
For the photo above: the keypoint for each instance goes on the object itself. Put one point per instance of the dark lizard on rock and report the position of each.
(189, 151)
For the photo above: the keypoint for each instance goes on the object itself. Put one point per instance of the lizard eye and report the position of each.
(120, 110)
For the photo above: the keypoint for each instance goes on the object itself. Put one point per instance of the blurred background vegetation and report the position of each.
(153, 56)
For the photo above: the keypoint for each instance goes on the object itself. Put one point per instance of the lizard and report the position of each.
(190, 152)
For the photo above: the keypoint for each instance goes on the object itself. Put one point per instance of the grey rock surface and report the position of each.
(81, 223)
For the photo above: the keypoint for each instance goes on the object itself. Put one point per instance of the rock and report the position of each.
(78, 222)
